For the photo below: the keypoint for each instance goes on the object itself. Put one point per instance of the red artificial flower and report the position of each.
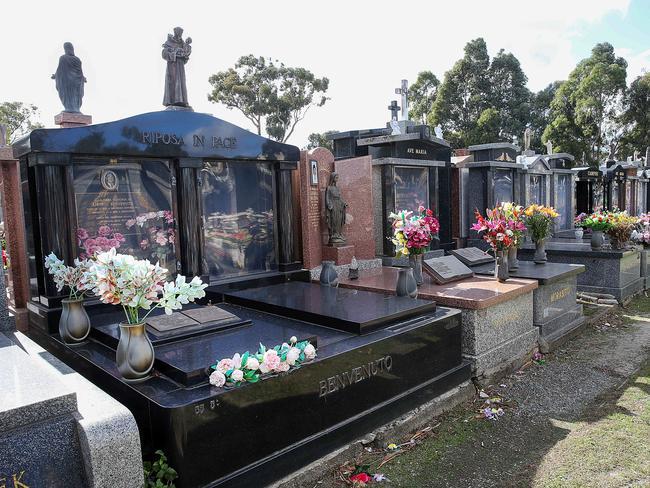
(362, 477)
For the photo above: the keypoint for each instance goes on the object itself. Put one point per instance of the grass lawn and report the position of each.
(610, 450)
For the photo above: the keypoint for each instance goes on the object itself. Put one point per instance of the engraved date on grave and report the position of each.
(560, 294)
(355, 375)
(201, 408)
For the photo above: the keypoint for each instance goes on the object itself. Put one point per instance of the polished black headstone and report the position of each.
(446, 269)
(472, 256)
(341, 308)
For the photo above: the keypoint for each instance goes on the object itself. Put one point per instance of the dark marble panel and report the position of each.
(356, 383)
(345, 309)
(544, 273)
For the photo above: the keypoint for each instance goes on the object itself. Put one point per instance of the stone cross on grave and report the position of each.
(394, 108)
(404, 90)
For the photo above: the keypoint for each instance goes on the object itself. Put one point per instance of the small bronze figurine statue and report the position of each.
(176, 52)
(335, 207)
(70, 80)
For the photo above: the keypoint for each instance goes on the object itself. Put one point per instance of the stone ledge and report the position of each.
(621, 294)
(108, 435)
(494, 362)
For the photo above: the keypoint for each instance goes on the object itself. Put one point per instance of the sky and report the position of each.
(364, 47)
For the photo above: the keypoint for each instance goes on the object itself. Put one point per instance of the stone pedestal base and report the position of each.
(69, 119)
(340, 255)
(6, 153)
(557, 331)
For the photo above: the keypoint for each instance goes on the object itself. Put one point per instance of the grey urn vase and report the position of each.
(135, 354)
(597, 239)
(513, 262)
(540, 252)
(406, 285)
(643, 254)
(415, 262)
(328, 274)
(74, 324)
(501, 267)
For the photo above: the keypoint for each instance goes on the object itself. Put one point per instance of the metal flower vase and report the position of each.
(74, 324)
(597, 239)
(513, 262)
(406, 285)
(540, 252)
(415, 262)
(135, 354)
(501, 267)
(328, 274)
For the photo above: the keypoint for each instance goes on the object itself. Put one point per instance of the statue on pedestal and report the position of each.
(335, 211)
(176, 52)
(70, 80)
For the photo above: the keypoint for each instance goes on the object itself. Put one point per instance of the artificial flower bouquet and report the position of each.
(412, 234)
(539, 221)
(621, 227)
(513, 215)
(247, 367)
(597, 221)
(500, 230)
(74, 277)
(135, 284)
(641, 235)
(579, 220)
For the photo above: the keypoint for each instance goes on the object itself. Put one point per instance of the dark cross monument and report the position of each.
(394, 109)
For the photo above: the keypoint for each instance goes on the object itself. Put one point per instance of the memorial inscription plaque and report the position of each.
(472, 256)
(210, 315)
(446, 269)
(126, 206)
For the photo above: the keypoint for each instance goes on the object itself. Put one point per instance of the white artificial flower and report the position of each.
(310, 352)
(292, 355)
(218, 379)
(237, 375)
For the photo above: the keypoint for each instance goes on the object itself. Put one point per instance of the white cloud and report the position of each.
(365, 48)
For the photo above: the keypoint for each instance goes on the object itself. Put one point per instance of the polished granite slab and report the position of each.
(356, 383)
(573, 247)
(545, 274)
(350, 310)
(478, 292)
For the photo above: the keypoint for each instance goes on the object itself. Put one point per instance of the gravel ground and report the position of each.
(543, 403)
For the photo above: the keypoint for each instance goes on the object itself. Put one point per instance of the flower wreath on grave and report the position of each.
(248, 368)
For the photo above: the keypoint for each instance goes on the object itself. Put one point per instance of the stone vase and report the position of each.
(74, 324)
(415, 262)
(540, 252)
(328, 274)
(597, 239)
(406, 285)
(135, 354)
(513, 262)
(501, 267)
(579, 232)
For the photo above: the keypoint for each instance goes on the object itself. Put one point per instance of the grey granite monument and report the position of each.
(176, 52)
(335, 211)
(70, 80)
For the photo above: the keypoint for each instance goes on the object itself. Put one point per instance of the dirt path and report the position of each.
(579, 417)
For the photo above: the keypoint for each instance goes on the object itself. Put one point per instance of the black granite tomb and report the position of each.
(210, 199)
(589, 189)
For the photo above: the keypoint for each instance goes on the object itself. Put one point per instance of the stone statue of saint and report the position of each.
(438, 131)
(549, 147)
(70, 80)
(335, 211)
(176, 52)
(527, 136)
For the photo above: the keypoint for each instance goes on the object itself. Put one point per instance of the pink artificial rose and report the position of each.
(225, 365)
(253, 364)
(292, 356)
(310, 352)
(282, 367)
(104, 230)
(270, 362)
(237, 375)
(119, 237)
(217, 379)
(82, 234)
